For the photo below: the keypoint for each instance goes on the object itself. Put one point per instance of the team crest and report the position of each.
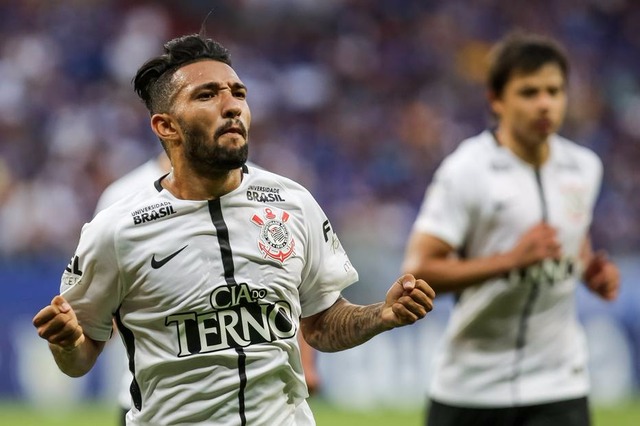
(276, 241)
(575, 202)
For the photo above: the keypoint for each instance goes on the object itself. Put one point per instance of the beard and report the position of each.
(208, 158)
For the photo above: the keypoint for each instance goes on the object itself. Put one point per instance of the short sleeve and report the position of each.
(597, 171)
(90, 283)
(446, 207)
(327, 269)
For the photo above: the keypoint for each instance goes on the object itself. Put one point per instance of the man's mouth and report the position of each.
(234, 130)
(238, 130)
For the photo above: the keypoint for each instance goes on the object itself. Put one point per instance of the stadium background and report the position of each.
(358, 100)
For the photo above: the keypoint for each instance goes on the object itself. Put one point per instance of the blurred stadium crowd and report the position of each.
(358, 100)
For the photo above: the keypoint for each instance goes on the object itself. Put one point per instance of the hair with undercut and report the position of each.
(523, 53)
(152, 82)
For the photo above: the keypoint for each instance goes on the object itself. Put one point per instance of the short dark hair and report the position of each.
(525, 53)
(151, 82)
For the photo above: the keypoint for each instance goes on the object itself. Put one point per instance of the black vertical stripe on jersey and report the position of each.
(215, 210)
(528, 306)
(223, 240)
(157, 183)
(129, 343)
(543, 201)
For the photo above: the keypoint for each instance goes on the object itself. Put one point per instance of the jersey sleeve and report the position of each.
(596, 184)
(327, 269)
(446, 208)
(90, 283)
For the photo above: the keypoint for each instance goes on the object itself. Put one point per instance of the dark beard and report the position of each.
(210, 159)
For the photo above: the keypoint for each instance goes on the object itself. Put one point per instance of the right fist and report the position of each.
(58, 324)
(538, 243)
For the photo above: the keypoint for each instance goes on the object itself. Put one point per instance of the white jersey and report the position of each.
(138, 179)
(208, 296)
(513, 340)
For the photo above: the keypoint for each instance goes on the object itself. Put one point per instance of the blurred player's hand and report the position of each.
(57, 323)
(407, 301)
(538, 243)
(602, 276)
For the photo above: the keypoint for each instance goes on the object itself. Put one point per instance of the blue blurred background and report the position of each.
(358, 100)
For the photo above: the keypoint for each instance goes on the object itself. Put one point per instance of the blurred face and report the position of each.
(532, 106)
(212, 115)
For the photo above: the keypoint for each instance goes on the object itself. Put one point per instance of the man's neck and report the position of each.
(535, 154)
(186, 185)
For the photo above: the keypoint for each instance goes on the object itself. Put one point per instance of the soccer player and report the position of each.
(505, 226)
(211, 274)
(142, 178)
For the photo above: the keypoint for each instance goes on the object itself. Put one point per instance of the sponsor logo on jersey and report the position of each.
(575, 202)
(275, 239)
(239, 317)
(500, 166)
(549, 271)
(264, 194)
(159, 263)
(72, 273)
(152, 212)
(331, 237)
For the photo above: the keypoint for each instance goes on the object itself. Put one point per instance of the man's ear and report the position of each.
(495, 103)
(164, 127)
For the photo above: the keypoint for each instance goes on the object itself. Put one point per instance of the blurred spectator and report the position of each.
(378, 94)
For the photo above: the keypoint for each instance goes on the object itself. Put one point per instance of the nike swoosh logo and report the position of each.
(159, 263)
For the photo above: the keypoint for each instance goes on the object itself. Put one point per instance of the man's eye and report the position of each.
(206, 95)
(240, 95)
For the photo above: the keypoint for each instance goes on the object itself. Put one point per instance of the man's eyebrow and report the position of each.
(216, 86)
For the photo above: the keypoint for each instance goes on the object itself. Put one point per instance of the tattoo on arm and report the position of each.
(344, 326)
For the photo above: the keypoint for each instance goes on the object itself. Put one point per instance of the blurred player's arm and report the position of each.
(308, 356)
(600, 274)
(345, 325)
(432, 259)
(74, 352)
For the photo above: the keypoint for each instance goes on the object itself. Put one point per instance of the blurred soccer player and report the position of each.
(142, 178)
(505, 225)
(211, 274)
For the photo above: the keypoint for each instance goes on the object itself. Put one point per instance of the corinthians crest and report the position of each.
(275, 241)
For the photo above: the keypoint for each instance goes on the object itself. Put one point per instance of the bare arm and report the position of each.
(600, 275)
(432, 259)
(308, 357)
(345, 325)
(74, 352)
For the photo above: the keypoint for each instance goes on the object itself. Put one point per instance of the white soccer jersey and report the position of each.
(139, 178)
(208, 295)
(513, 340)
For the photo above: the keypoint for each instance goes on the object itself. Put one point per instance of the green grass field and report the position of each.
(16, 414)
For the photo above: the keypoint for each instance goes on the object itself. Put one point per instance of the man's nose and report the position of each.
(545, 100)
(232, 108)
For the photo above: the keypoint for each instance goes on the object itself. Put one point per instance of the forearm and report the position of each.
(453, 274)
(344, 326)
(78, 361)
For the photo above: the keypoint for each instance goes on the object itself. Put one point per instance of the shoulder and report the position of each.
(573, 155)
(471, 155)
(122, 211)
(135, 180)
(262, 180)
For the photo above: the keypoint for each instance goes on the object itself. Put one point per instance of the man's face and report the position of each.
(211, 110)
(532, 106)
